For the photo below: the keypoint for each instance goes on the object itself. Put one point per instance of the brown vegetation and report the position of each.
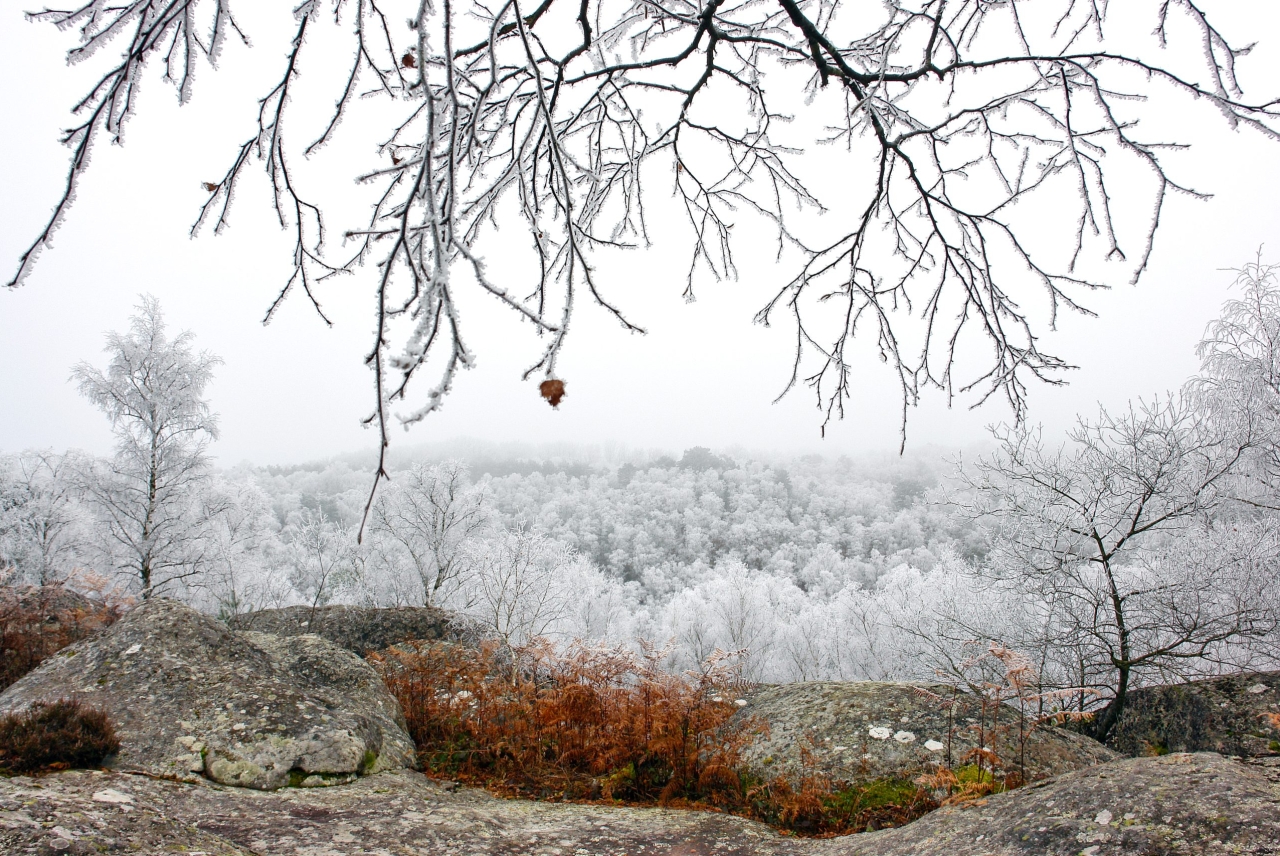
(587, 723)
(37, 621)
(609, 725)
(56, 736)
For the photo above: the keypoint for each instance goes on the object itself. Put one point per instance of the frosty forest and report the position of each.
(928, 205)
(1141, 548)
(694, 278)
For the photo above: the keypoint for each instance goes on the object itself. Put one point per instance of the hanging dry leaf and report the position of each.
(408, 61)
(209, 186)
(552, 390)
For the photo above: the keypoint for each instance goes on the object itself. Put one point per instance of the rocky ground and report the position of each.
(362, 629)
(1234, 715)
(1175, 804)
(869, 730)
(200, 707)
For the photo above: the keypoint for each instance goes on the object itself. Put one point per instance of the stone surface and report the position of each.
(868, 730)
(189, 697)
(362, 629)
(1235, 715)
(92, 813)
(1177, 805)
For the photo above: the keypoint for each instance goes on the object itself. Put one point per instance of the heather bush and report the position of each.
(57, 736)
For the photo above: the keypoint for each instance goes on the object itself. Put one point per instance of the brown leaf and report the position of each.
(209, 186)
(552, 390)
(408, 61)
(395, 160)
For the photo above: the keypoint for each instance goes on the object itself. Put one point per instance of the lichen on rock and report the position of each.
(190, 698)
(1232, 715)
(866, 730)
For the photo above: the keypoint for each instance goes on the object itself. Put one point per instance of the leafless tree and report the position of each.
(516, 587)
(321, 556)
(431, 513)
(42, 525)
(1239, 380)
(153, 393)
(242, 554)
(1125, 541)
(970, 195)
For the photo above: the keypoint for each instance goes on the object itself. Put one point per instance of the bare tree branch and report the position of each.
(950, 114)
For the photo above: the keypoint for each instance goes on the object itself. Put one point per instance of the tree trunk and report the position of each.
(148, 524)
(1123, 663)
(1108, 718)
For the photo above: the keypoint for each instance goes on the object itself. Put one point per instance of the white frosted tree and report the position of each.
(736, 610)
(153, 392)
(43, 528)
(241, 550)
(1239, 381)
(517, 585)
(322, 557)
(429, 514)
(600, 608)
(1108, 531)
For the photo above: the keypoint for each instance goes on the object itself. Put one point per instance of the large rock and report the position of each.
(1235, 715)
(870, 730)
(1177, 805)
(189, 697)
(362, 629)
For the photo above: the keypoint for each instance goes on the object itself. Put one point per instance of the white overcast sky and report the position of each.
(704, 375)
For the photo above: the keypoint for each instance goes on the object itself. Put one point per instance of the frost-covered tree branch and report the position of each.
(897, 155)
(1127, 540)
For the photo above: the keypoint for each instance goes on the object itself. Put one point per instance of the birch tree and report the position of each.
(975, 156)
(153, 393)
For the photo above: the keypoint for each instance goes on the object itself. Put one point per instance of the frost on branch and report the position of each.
(937, 178)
